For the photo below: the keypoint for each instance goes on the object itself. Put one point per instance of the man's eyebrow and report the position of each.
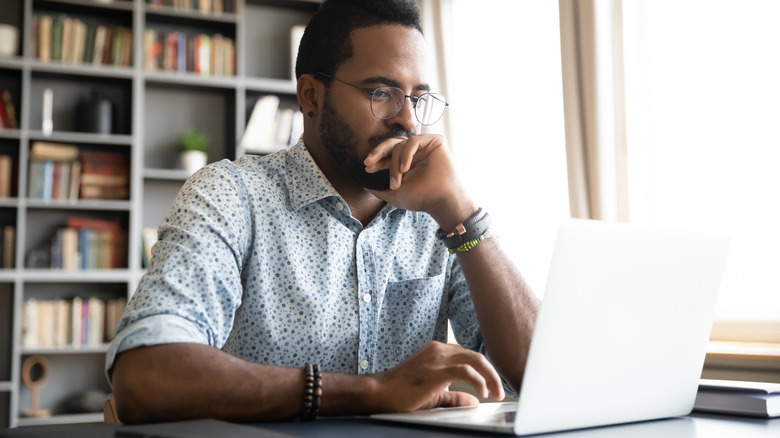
(393, 83)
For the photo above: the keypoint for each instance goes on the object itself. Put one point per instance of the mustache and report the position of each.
(395, 131)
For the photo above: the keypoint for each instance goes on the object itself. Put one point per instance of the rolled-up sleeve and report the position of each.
(193, 285)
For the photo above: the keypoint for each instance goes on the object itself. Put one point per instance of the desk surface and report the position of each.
(694, 426)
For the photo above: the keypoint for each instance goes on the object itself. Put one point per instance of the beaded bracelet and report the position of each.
(312, 392)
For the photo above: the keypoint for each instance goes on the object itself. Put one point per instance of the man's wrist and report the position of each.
(467, 234)
(449, 215)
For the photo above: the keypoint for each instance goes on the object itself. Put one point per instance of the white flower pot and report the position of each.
(193, 160)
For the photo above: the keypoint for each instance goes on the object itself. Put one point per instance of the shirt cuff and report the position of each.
(154, 330)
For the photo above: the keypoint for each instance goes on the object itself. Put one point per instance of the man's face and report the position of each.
(339, 140)
(382, 56)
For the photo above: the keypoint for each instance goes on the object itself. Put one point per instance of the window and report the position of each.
(506, 114)
(702, 110)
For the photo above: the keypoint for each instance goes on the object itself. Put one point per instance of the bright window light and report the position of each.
(703, 93)
(507, 116)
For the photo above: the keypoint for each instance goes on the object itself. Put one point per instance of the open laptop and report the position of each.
(620, 337)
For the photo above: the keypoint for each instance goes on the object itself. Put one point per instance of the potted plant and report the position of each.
(193, 147)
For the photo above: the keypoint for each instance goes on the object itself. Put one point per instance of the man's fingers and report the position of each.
(401, 161)
(467, 374)
(451, 399)
(486, 370)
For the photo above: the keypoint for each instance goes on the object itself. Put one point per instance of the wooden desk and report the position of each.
(693, 426)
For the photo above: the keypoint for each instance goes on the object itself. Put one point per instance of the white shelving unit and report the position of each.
(151, 110)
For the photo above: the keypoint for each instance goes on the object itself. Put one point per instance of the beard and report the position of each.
(339, 141)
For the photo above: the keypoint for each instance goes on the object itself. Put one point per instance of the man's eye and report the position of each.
(382, 94)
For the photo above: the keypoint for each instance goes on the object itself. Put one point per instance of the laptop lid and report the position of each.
(621, 333)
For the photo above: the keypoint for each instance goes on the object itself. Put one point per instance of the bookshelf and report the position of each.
(149, 108)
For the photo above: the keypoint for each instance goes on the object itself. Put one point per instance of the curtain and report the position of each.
(437, 24)
(594, 113)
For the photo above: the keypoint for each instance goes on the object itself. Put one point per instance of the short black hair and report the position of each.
(326, 43)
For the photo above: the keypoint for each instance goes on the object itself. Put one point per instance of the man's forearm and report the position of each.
(185, 381)
(505, 305)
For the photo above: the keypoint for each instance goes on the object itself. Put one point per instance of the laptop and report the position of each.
(620, 336)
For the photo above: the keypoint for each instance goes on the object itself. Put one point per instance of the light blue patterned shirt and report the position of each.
(261, 258)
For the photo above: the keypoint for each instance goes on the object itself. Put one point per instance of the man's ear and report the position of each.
(310, 94)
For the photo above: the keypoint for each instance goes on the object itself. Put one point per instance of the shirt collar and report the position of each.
(307, 183)
(305, 180)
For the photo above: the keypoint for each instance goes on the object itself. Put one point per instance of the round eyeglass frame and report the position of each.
(413, 99)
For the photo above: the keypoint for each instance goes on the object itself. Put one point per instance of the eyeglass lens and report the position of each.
(386, 102)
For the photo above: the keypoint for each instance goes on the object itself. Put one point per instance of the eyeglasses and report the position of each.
(386, 102)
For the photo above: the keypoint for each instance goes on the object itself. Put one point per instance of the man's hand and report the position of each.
(420, 382)
(422, 177)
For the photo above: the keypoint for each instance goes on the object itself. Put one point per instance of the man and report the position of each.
(316, 281)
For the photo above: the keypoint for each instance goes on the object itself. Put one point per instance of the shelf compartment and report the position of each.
(9, 234)
(5, 407)
(6, 330)
(12, 12)
(210, 111)
(61, 384)
(268, 25)
(48, 247)
(10, 98)
(69, 90)
(79, 33)
(156, 208)
(71, 319)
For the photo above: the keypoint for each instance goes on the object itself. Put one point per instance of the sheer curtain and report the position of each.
(501, 67)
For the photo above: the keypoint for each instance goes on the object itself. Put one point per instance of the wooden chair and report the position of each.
(109, 411)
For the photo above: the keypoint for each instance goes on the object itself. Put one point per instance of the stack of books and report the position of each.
(54, 171)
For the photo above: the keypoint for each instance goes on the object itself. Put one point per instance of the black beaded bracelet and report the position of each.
(312, 392)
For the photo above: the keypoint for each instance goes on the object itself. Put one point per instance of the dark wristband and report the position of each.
(469, 230)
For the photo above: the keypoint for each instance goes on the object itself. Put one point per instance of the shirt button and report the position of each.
(339, 206)
(367, 298)
(364, 364)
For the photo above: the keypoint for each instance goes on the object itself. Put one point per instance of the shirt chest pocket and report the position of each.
(411, 312)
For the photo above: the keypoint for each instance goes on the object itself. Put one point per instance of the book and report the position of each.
(9, 246)
(42, 150)
(258, 136)
(45, 24)
(757, 399)
(6, 171)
